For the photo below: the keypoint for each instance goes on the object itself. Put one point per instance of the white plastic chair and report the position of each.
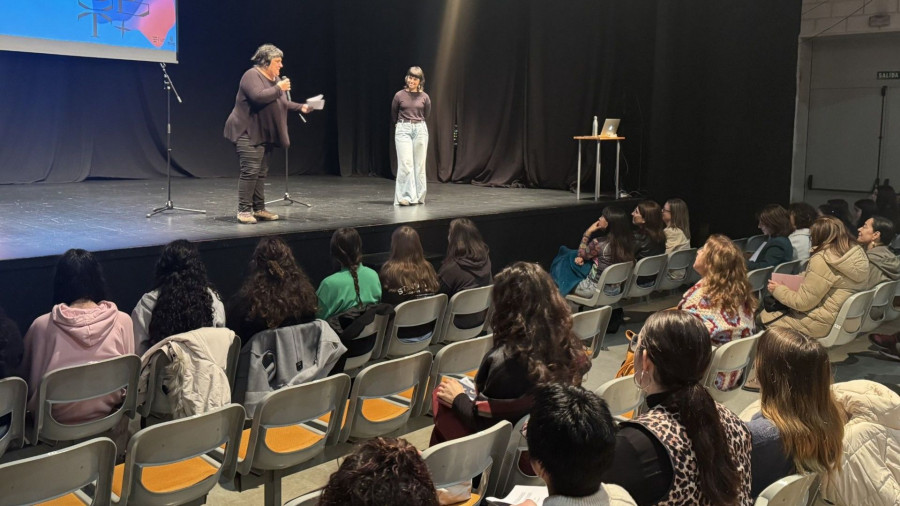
(740, 243)
(456, 360)
(465, 302)
(462, 459)
(791, 490)
(413, 313)
(13, 396)
(648, 267)
(168, 464)
(849, 319)
(787, 267)
(616, 274)
(61, 475)
(678, 270)
(310, 499)
(80, 383)
(759, 278)
(892, 311)
(591, 326)
(385, 395)
(622, 396)
(754, 242)
(513, 470)
(280, 436)
(878, 309)
(728, 358)
(377, 327)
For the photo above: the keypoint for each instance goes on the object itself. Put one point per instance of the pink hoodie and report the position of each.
(69, 336)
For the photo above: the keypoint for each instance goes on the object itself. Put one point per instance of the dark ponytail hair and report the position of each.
(678, 344)
(346, 249)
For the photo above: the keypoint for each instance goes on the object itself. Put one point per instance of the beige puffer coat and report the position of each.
(828, 282)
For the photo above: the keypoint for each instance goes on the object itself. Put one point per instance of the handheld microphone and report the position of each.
(288, 95)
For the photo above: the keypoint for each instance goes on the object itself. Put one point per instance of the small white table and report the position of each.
(600, 139)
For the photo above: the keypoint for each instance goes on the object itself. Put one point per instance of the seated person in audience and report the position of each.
(615, 245)
(687, 449)
(722, 299)
(275, 294)
(381, 471)
(863, 209)
(837, 268)
(406, 276)
(875, 235)
(533, 344)
(799, 426)
(181, 300)
(802, 217)
(571, 442)
(11, 346)
(886, 203)
(82, 327)
(842, 209)
(775, 223)
(466, 265)
(829, 209)
(678, 225)
(354, 285)
(649, 234)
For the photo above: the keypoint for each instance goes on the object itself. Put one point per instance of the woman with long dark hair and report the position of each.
(182, 298)
(354, 285)
(687, 449)
(406, 275)
(82, 327)
(533, 344)
(800, 426)
(467, 263)
(650, 235)
(409, 110)
(275, 294)
(615, 245)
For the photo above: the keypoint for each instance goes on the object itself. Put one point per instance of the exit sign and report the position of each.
(887, 74)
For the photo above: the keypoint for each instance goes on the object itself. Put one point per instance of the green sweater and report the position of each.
(337, 293)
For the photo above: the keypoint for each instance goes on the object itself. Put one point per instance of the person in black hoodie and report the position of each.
(466, 265)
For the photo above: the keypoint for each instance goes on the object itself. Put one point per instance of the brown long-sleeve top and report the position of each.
(260, 111)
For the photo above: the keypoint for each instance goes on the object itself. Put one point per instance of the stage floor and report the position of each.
(47, 219)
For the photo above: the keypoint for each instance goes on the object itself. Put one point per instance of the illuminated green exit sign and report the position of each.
(887, 74)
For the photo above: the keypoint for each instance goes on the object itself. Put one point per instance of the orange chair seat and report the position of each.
(377, 410)
(473, 500)
(167, 478)
(472, 373)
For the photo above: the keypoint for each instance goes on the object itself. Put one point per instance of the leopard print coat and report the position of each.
(685, 489)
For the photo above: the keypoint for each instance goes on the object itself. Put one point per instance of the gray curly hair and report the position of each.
(265, 54)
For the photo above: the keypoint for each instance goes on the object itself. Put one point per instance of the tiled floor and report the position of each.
(855, 360)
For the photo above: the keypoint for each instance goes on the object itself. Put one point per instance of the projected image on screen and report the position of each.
(123, 29)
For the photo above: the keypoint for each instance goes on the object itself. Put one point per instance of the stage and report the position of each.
(109, 217)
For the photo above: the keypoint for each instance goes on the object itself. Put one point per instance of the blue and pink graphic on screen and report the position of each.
(132, 23)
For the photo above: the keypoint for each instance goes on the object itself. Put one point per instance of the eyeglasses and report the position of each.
(667, 210)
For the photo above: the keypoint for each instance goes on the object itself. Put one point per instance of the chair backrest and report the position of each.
(462, 459)
(310, 499)
(516, 466)
(740, 243)
(13, 396)
(278, 438)
(385, 395)
(615, 274)
(591, 325)
(878, 309)
(621, 395)
(85, 382)
(465, 302)
(61, 473)
(787, 267)
(413, 313)
(678, 269)
(849, 319)
(457, 359)
(377, 327)
(154, 469)
(730, 360)
(791, 490)
(654, 266)
(759, 278)
(754, 242)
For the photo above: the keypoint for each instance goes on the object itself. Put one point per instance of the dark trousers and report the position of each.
(254, 167)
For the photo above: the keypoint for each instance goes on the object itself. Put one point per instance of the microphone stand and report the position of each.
(287, 195)
(170, 88)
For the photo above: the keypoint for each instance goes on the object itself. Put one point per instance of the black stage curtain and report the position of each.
(705, 90)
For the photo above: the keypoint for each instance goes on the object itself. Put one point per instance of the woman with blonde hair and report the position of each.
(678, 225)
(722, 299)
(837, 268)
(800, 426)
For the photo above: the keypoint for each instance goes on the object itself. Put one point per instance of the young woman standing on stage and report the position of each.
(409, 110)
(257, 124)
